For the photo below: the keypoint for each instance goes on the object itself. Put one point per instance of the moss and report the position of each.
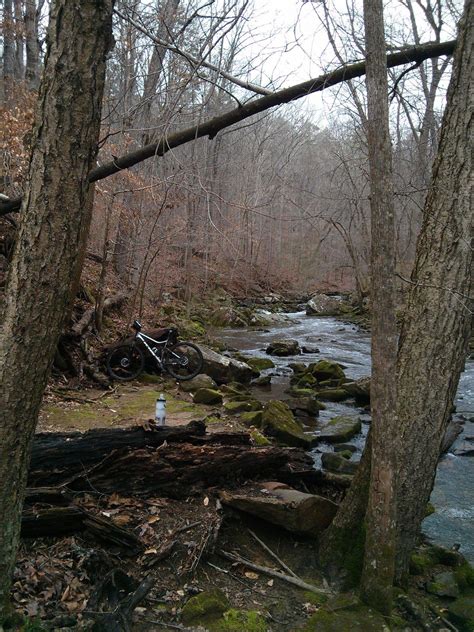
(253, 418)
(305, 380)
(150, 378)
(326, 370)
(333, 394)
(313, 598)
(420, 562)
(207, 396)
(429, 510)
(244, 406)
(347, 553)
(361, 619)
(259, 364)
(240, 621)
(278, 421)
(205, 606)
(464, 576)
(259, 439)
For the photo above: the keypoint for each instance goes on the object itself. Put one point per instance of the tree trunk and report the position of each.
(436, 326)
(379, 558)
(32, 48)
(38, 287)
(8, 49)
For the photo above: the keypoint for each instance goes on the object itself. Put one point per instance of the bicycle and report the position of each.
(182, 360)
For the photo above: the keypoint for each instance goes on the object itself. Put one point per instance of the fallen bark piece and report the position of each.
(293, 510)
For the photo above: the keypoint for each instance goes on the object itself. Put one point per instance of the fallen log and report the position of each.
(183, 470)
(88, 316)
(57, 456)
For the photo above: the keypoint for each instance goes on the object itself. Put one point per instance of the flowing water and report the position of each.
(453, 495)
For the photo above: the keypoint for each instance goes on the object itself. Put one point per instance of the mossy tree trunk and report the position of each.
(40, 275)
(434, 336)
(435, 331)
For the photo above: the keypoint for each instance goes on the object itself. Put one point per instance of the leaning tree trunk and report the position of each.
(38, 288)
(437, 322)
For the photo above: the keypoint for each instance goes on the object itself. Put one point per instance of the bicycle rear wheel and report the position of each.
(125, 362)
(183, 361)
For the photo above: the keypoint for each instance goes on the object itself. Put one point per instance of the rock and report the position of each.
(252, 418)
(259, 439)
(333, 394)
(338, 464)
(224, 370)
(306, 514)
(306, 405)
(303, 380)
(228, 317)
(200, 381)
(360, 390)
(297, 367)
(326, 370)
(444, 585)
(241, 407)
(354, 619)
(263, 380)
(461, 612)
(207, 605)
(345, 447)
(278, 421)
(260, 364)
(453, 430)
(207, 396)
(340, 429)
(283, 348)
(306, 349)
(322, 305)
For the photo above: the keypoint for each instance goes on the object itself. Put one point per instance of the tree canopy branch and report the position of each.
(211, 127)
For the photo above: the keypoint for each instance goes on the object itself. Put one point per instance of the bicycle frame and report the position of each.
(143, 338)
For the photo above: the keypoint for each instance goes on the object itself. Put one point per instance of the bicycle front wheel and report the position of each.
(125, 362)
(183, 361)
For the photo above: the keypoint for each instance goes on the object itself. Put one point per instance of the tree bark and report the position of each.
(215, 125)
(8, 49)
(436, 326)
(379, 558)
(32, 47)
(38, 288)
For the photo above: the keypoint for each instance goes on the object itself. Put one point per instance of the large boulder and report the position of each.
(278, 422)
(323, 305)
(260, 364)
(338, 464)
(200, 381)
(224, 370)
(305, 405)
(340, 429)
(333, 394)
(301, 513)
(283, 347)
(360, 390)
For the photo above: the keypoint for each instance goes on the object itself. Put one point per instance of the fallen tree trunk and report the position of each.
(57, 456)
(87, 318)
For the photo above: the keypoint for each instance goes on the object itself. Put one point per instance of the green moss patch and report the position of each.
(204, 607)
(259, 364)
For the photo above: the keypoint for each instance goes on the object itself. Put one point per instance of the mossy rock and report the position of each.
(326, 370)
(206, 606)
(235, 388)
(207, 396)
(420, 562)
(200, 381)
(263, 380)
(259, 439)
(443, 585)
(235, 407)
(240, 621)
(338, 464)
(340, 429)
(301, 392)
(359, 619)
(260, 364)
(461, 613)
(333, 394)
(150, 378)
(306, 405)
(283, 348)
(298, 367)
(464, 575)
(278, 422)
(304, 380)
(253, 418)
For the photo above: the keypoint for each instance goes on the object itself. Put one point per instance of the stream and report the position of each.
(453, 494)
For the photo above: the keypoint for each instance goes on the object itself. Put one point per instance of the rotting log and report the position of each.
(57, 456)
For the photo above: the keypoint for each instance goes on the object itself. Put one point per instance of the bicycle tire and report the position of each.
(125, 363)
(176, 366)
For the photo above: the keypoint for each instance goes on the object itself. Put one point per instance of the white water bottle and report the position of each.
(160, 411)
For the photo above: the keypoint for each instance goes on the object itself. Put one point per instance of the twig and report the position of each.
(186, 527)
(272, 554)
(269, 571)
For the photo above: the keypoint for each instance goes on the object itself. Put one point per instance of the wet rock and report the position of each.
(340, 429)
(306, 349)
(360, 390)
(343, 447)
(278, 422)
(297, 367)
(252, 418)
(224, 370)
(338, 464)
(303, 380)
(322, 305)
(207, 396)
(444, 585)
(283, 347)
(326, 370)
(306, 514)
(260, 364)
(305, 405)
(263, 380)
(333, 394)
(453, 430)
(200, 381)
